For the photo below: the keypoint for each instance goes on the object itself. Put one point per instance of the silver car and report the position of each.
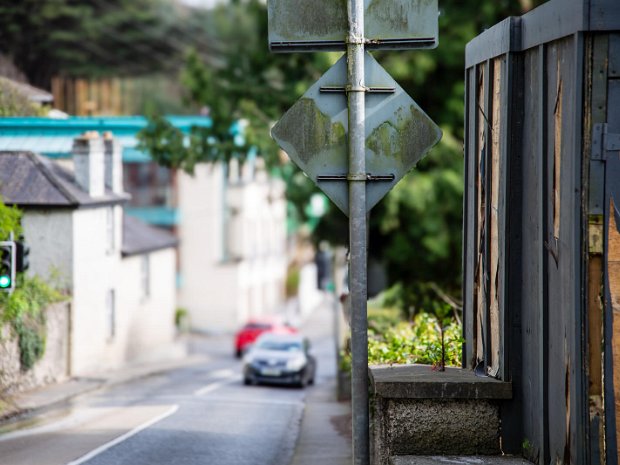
(280, 359)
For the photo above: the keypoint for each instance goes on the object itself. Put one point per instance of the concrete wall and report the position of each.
(233, 247)
(96, 272)
(76, 243)
(50, 237)
(147, 328)
(53, 367)
(206, 284)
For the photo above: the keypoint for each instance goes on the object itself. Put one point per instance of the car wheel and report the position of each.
(311, 381)
(238, 353)
(247, 381)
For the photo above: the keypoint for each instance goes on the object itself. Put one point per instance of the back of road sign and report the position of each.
(314, 133)
(310, 25)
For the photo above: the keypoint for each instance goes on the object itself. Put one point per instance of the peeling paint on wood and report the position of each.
(595, 322)
(494, 220)
(557, 154)
(479, 297)
(613, 269)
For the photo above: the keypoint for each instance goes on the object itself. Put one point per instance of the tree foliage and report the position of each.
(99, 37)
(416, 229)
(10, 221)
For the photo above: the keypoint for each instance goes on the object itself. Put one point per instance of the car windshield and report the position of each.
(258, 326)
(285, 346)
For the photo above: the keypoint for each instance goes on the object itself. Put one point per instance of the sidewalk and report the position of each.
(325, 433)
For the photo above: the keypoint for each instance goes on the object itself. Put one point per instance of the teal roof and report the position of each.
(54, 137)
(159, 216)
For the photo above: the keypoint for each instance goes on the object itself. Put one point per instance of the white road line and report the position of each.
(223, 373)
(296, 403)
(125, 436)
(231, 378)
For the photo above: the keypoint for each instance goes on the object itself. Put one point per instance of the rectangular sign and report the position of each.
(313, 25)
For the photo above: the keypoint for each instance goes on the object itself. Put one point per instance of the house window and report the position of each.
(109, 224)
(111, 314)
(145, 276)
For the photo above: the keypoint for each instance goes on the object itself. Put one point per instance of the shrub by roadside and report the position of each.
(394, 341)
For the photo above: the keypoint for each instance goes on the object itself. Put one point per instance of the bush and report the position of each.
(417, 342)
(393, 341)
(24, 310)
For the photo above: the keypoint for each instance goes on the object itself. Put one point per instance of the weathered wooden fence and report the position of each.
(541, 90)
(112, 96)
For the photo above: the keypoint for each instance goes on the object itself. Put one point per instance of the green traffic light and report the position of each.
(5, 281)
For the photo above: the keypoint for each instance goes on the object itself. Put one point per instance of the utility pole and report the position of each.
(358, 227)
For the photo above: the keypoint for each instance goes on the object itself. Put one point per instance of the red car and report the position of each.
(246, 336)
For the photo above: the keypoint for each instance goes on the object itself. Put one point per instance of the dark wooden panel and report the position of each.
(495, 41)
(486, 255)
(553, 20)
(604, 15)
(597, 102)
(614, 55)
(558, 246)
(532, 246)
(578, 323)
(512, 417)
(469, 219)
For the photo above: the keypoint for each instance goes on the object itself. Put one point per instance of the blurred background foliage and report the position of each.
(221, 59)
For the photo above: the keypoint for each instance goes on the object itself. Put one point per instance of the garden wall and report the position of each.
(52, 367)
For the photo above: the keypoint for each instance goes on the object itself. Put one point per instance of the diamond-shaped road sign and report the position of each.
(313, 132)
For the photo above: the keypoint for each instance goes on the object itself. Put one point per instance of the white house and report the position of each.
(120, 273)
(232, 252)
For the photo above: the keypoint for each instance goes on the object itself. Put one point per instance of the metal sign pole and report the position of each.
(357, 231)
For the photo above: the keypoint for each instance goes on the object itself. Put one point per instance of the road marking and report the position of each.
(223, 373)
(124, 437)
(228, 378)
(295, 403)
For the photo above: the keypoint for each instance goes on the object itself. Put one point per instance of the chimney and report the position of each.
(113, 162)
(88, 162)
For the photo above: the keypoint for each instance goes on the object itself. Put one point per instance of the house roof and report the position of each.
(29, 180)
(140, 238)
(32, 93)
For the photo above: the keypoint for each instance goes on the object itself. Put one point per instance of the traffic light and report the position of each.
(7, 265)
(22, 256)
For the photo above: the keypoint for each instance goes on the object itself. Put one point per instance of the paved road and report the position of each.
(196, 415)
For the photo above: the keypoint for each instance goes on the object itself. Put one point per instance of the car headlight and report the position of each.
(296, 363)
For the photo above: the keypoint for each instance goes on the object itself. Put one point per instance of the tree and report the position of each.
(99, 37)
(416, 229)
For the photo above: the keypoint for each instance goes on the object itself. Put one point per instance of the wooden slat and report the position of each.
(532, 247)
(612, 335)
(479, 295)
(613, 270)
(469, 222)
(494, 218)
